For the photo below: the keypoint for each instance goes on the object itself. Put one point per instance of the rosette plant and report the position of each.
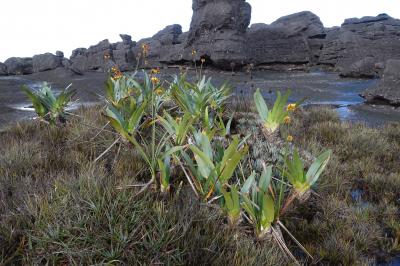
(258, 203)
(303, 180)
(49, 106)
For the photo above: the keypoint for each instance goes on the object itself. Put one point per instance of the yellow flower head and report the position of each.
(114, 69)
(159, 91)
(287, 120)
(155, 71)
(117, 75)
(194, 52)
(289, 138)
(155, 80)
(291, 107)
(178, 119)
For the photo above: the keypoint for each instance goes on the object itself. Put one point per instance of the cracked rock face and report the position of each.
(294, 39)
(217, 30)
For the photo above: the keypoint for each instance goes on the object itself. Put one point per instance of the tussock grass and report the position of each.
(58, 207)
(351, 230)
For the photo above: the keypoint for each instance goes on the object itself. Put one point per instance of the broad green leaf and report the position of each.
(261, 106)
(318, 166)
(265, 179)
(248, 184)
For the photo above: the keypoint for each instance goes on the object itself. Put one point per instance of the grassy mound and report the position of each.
(58, 207)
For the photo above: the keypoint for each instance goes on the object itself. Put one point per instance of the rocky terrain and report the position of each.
(220, 33)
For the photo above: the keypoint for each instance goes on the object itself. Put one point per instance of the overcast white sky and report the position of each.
(29, 27)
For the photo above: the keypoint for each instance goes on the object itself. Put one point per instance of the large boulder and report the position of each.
(309, 26)
(44, 62)
(364, 68)
(387, 90)
(292, 40)
(375, 38)
(95, 58)
(217, 31)
(3, 69)
(164, 48)
(19, 65)
(169, 35)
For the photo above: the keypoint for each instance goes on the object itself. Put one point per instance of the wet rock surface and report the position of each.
(318, 87)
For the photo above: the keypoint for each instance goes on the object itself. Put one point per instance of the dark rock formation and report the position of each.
(44, 62)
(122, 53)
(103, 56)
(217, 31)
(3, 69)
(292, 40)
(95, 58)
(60, 54)
(365, 68)
(366, 41)
(387, 90)
(19, 66)
(165, 47)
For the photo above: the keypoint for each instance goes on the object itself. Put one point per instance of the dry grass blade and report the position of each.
(107, 150)
(295, 240)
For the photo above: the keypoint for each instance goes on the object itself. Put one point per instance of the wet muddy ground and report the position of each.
(319, 88)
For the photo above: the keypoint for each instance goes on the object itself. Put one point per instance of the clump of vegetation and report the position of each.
(48, 106)
(164, 180)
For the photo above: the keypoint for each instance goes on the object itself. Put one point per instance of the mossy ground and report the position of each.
(59, 207)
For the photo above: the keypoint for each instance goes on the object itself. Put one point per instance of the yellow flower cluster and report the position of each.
(159, 91)
(155, 71)
(155, 80)
(287, 120)
(291, 107)
(289, 138)
(116, 73)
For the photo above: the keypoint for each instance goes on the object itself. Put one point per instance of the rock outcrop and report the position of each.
(218, 31)
(47, 61)
(165, 47)
(362, 42)
(3, 69)
(387, 90)
(122, 53)
(95, 58)
(365, 68)
(102, 56)
(19, 65)
(292, 40)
